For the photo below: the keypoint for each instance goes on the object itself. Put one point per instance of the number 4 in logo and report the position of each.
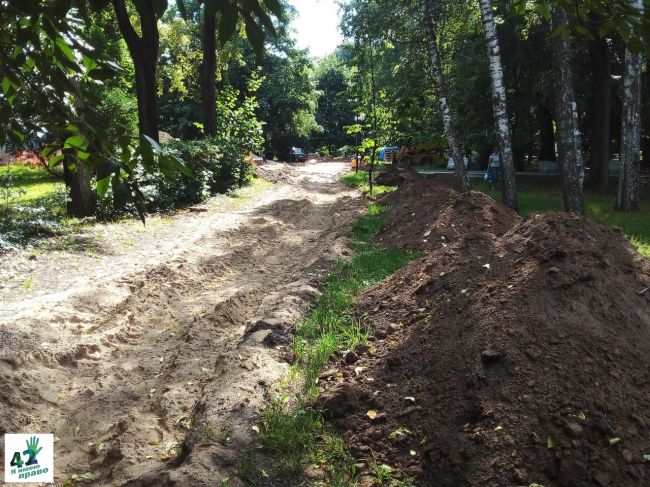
(17, 460)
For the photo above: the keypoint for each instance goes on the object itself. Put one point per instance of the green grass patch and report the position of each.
(27, 186)
(297, 434)
(331, 326)
(32, 206)
(360, 180)
(544, 193)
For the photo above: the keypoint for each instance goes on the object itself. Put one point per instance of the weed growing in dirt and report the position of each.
(248, 473)
(27, 284)
(384, 474)
(298, 435)
(292, 432)
(209, 433)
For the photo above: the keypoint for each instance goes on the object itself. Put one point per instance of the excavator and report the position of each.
(419, 155)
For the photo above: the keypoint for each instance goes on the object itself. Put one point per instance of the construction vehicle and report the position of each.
(420, 155)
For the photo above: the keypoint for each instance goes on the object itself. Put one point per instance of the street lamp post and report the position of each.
(356, 145)
(358, 119)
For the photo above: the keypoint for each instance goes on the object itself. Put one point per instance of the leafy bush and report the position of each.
(215, 170)
(220, 167)
(217, 164)
(117, 112)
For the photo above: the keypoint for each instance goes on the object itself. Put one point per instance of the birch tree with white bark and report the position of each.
(569, 138)
(499, 103)
(443, 99)
(628, 183)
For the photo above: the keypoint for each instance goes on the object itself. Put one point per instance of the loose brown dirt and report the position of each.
(514, 352)
(149, 358)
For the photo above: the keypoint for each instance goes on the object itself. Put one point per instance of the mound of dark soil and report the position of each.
(503, 359)
(394, 176)
(431, 213)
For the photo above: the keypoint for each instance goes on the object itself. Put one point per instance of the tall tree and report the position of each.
(144, 50)
(441, 87)
(255, 16)
(628, 185)
(208, 73)
(76, 174)
(500, 104)
(566, 114)
(601, 108)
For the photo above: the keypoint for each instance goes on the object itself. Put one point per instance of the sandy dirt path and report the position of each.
(150, 365)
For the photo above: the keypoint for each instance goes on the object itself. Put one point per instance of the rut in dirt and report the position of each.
(163, 387)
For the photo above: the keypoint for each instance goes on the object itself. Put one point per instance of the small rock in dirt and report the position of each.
(393, 328)
(327, 374)
(380, 334)
(274, 339)
(520, 475)
(603, 427)
(366, 481)
(393, 361)
(533, 353)
(413, 471)
(362, 348)
(574, 429)
(627, 456)
(508, 440)
(350, 357)
(341, 400)
(638, 420)
(410, 410)
(491, 356)
(601, 478)
(570, 471)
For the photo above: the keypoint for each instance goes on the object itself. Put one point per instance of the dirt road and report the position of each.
(149, 362)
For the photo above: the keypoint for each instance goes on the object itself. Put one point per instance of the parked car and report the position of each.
(297, 155)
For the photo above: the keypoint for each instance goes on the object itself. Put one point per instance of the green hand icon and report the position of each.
(32, 450)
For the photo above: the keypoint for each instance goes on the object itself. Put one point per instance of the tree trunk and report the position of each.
(371, 169)
(356, 157)
(601, 113)
(83, 200)
(566, 115)
(208, 75)
(628, 183)
(144, 52)
(373, 88)
(546, 134)
(500, 105)
(441, 89)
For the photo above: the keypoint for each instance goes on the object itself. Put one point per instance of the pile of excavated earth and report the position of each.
(514, 352)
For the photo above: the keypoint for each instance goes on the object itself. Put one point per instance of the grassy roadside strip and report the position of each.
(293, 428)
(360, 180)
